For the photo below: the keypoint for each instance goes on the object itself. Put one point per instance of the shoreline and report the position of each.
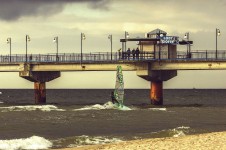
(207, 141)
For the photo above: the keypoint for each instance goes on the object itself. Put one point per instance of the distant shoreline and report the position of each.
(207, 141)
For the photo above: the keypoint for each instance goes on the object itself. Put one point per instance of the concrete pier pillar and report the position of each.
(156, 77)
(156, 93)
(39, 78)
(40, 92)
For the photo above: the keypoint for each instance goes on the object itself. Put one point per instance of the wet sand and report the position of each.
(209, 141)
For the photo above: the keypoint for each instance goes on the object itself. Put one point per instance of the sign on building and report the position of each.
(169, 40)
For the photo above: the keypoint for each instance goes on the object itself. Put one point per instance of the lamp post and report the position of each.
(28, 39)
(126, 37)
(187, 36)
(55, 40)
(110, 38)
(10, 43)
(83, 37)
(218, 33)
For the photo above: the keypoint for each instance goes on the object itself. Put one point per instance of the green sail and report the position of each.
(119, 86)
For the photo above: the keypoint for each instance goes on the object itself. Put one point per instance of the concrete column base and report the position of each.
(40, 92)
(40, 79)
(156, 93)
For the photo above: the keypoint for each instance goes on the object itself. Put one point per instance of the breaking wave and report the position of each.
(158, 109)
(32, 143)
(176, 132)
(31, 108)
(79, 141)
(108, 105)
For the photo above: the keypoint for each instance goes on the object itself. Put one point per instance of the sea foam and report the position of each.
(158, 109)
(175, 132)
(180, 131)
(88, 140)
(31, 108)
(108, 105)
(32, 143)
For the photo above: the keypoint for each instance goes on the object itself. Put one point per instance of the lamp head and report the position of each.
(218, 32)
(127, 34)
(186, 35)
(8, 40)
(28, 38)
(83, 36)
(55, 39)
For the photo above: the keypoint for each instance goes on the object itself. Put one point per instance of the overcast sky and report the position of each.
(44, 19)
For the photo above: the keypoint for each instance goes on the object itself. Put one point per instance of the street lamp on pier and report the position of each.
(126, 37)
(110, 38)
(55, 40)
(187, 36)
(83, 37)
(10, 43)
(218, 33)
(28, 39)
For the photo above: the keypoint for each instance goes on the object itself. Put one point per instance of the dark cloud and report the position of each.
(14, 9)
(100, 4)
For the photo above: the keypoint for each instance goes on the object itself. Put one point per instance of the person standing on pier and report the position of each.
(137, 52)
(133, 53)
(128, 53)
(120, 53)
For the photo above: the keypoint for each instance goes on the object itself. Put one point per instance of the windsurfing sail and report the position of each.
(119, 87)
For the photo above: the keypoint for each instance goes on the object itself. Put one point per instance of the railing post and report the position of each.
(224, 55)
(64, 57)
(90, 57)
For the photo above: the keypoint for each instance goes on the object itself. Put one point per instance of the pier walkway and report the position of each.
(107, 57)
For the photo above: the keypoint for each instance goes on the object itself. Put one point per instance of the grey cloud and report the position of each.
(14, 9)
(100, 4)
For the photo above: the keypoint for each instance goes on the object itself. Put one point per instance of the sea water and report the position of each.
(73, 118)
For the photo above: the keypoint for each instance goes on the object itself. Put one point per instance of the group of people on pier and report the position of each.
(131, 53)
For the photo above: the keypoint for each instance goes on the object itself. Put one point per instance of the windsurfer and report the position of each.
(113, 99)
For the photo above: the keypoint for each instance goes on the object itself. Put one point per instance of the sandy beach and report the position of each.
(209, 141)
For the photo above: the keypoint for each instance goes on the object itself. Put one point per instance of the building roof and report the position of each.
(157, 31)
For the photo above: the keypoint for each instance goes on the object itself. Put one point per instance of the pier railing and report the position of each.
(114, 57)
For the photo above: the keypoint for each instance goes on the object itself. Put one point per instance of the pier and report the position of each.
(158, 61)
(46, 68)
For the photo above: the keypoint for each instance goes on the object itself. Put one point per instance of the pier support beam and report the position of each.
(40, 92)
(40, 79)
(156, 93)
(156, 77)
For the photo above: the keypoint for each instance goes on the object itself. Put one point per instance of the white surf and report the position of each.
(108, 105)
(31, 108)
(32, 143)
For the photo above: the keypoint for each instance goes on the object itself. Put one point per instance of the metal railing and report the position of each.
(106, 57)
